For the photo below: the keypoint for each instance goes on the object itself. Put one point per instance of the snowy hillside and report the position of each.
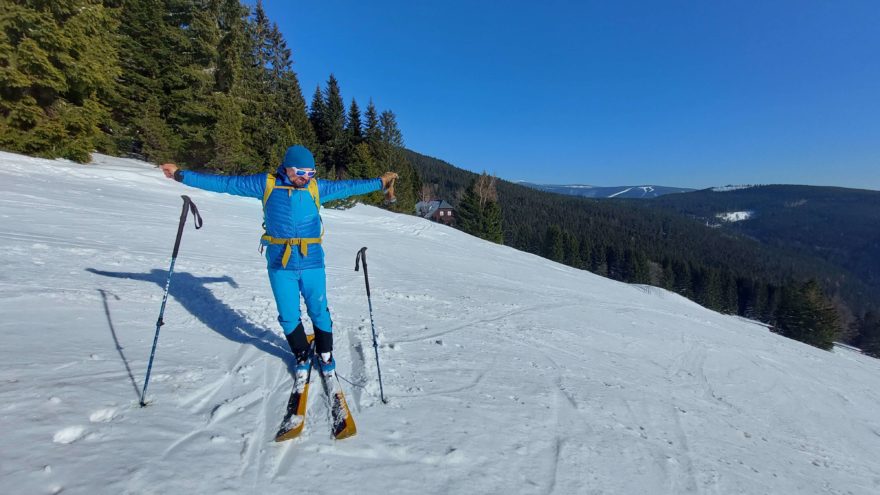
(506, 373)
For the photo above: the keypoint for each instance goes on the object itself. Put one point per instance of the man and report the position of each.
(291, 198)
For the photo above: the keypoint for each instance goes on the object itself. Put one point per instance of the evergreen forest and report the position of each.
(208, 84)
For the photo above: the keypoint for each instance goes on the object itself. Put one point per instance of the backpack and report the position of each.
(303, 243)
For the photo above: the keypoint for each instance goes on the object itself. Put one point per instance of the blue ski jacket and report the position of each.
(289, 212)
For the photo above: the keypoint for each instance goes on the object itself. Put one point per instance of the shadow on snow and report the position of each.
(191, 292)
(119, 347)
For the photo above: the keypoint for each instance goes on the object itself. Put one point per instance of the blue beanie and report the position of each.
(298, 156)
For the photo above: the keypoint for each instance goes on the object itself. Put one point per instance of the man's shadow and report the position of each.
(191, 293)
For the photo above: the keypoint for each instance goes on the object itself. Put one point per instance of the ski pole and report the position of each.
(362, 256)
(188, 206)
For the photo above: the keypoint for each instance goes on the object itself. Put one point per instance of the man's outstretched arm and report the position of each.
(251, 186)
(331, 190)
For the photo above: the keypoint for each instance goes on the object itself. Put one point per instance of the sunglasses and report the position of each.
(302, 172)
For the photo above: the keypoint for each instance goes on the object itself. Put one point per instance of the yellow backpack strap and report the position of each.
(313, 190)
(270, 185)
(302, 243)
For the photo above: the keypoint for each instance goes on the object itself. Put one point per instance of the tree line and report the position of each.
(206, 83)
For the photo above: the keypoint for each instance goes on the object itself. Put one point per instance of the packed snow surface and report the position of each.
(505, 372)
(735, 216)
(621, 192)
(729, 188)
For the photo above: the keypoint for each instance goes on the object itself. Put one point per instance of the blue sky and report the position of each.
(680, 93)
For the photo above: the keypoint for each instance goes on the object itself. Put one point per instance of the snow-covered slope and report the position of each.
(506, 373)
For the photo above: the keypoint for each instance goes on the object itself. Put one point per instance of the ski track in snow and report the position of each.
(505, 372)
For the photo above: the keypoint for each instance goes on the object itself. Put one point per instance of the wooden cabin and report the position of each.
(439, 211)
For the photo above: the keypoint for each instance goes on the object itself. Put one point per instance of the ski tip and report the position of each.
(291, 428)
(289, 434)
(343, 422)
(349, 431)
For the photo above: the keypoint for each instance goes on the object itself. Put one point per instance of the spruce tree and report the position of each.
(805, 314)
(189, 81)
(554, 245)
(682, 278)
(293, 111)
(317, 109)
(668, 278)
(572, 250)
(137, 111)
(746, 297)
(635, 267)
(155, 138)
(58, 63)
(335, 142)
(613, 261)
(361, 161)
(236, 76)
(363, 166)
(479, 213)
(586, 255)
(869, 334)
(372, 130)
(389, 155)
(770, 302)
(494, 223)
(729, 299)
(290, 107)
(391, 134)
(353, 124)
(230, 155)
(262, 124)
(599, 260)
(261, 30)
(334, 110)
(468, 213)
(232, 46)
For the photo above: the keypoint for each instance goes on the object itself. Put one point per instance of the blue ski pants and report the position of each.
(288, 285)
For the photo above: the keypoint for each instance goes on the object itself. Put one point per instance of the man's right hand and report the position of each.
(168, 169)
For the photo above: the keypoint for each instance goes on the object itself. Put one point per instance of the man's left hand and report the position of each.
(387, 178)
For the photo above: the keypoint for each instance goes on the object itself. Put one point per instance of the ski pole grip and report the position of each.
(362, 256)
(362, 253)
(188, 206)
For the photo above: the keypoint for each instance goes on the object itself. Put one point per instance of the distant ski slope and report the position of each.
(506, 373)
(631, 192)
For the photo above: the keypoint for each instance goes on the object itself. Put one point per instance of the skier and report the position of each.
(293, 230)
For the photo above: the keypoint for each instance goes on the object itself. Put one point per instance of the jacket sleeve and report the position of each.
(251, 186)
(331, 190)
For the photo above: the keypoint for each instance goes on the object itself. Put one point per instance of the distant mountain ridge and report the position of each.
(623, 192)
